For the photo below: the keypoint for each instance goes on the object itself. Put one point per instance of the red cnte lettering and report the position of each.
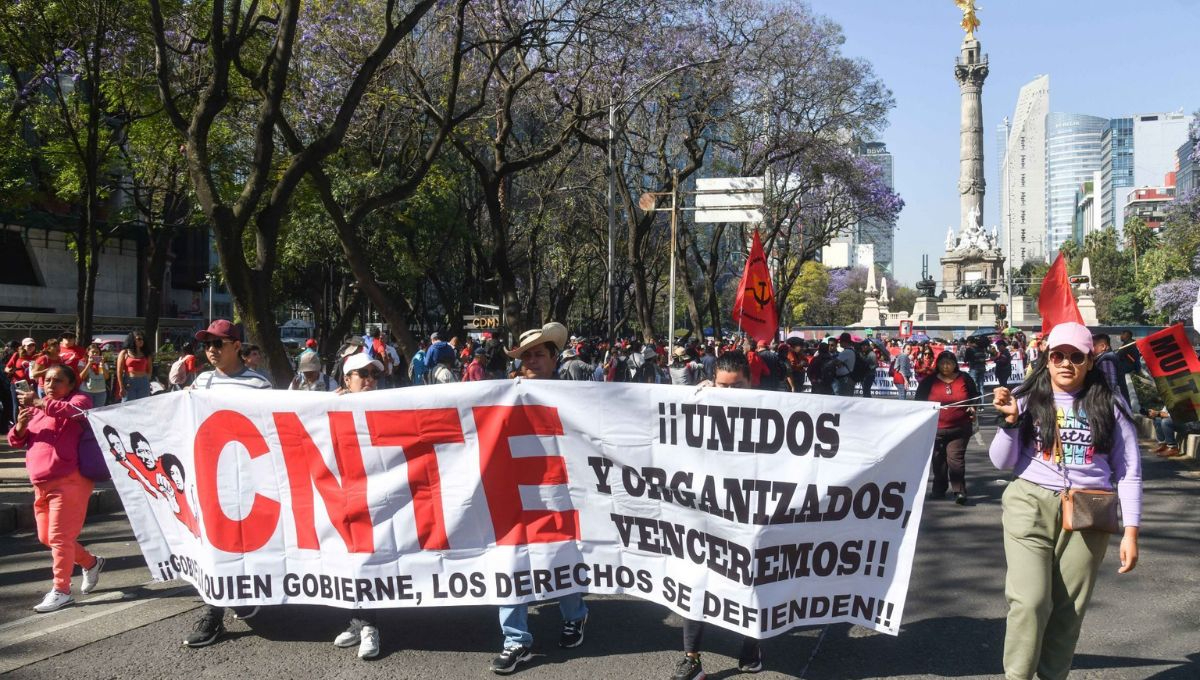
(346, 502)
(231, 535)
(503, 475)
(415, 432)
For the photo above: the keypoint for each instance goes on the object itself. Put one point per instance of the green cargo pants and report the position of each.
(1050, 577)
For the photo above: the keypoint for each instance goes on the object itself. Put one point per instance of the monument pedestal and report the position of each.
(925, 309)
(1087, 309)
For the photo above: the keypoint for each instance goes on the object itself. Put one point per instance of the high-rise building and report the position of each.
(1023, 176)
(1116, 170)
(1087, 209)
(1187, 178)
(1072, 155)
(1002, 131)
(1140, 150)
(880, 234)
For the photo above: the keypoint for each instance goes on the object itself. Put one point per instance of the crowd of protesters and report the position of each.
(54, 382)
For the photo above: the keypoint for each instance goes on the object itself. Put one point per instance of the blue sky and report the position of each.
(1104, 58)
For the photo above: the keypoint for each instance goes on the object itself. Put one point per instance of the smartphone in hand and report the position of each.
(22, 386)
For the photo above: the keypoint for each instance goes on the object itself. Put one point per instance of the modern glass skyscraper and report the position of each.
(1023, 177)
(1116, 170)
(1072, 155)
(878, 233)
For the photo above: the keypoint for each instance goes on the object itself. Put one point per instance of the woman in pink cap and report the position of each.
(1062, 429)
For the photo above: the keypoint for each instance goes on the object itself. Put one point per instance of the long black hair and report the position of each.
(1095, 399)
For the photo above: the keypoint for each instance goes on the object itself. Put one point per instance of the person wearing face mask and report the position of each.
(1063, 429)
(948, 385)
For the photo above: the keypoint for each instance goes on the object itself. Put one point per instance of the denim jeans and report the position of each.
(843, 386)
(514, 619)
(1164, 431)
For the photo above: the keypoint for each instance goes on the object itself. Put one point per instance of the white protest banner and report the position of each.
(757, 511)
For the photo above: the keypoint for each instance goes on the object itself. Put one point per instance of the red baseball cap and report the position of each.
(221, 329)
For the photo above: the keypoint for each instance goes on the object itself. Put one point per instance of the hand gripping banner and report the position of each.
(757, 511)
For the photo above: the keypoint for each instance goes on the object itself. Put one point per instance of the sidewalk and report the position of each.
(16, 494)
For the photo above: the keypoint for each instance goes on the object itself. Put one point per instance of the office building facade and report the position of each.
(1072, 155)
(1023, 176)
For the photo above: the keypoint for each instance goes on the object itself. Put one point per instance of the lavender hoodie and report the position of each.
(1084, 469)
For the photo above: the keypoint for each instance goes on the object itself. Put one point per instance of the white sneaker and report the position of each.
(91, 577)
(350, 636)
(54, 601)
(368, 645)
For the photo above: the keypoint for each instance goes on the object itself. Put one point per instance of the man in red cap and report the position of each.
(222, 342)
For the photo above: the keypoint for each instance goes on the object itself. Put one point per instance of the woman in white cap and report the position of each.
(1062, 430)
(362, 374)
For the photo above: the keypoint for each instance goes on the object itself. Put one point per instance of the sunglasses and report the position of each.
(366, 374)
(1077, 358)
(213, 344)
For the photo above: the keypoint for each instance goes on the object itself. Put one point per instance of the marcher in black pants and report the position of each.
(948, 385)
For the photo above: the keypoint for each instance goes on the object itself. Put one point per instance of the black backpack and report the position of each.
(864, 367)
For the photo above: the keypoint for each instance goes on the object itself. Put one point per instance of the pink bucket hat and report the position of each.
(1070, 333)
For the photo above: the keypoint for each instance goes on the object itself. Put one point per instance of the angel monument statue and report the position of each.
(970, 22)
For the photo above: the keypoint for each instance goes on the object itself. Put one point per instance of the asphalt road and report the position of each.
(1140, 625)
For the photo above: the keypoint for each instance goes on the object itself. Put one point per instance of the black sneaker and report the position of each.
(750, 660)
(688, 668)
(572, 633)
(960, 498)
(208, 629)
(507, 661)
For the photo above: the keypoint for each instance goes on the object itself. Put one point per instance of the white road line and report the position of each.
(99, 599)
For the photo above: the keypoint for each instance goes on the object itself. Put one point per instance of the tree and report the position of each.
(89, 73)
(808, 296)
(229, 63)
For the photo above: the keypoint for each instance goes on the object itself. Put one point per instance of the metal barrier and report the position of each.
(885, 386)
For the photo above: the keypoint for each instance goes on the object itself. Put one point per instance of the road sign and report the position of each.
(482, 321)
(729, 199)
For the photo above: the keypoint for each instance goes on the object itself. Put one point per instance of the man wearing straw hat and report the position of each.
(537, 351)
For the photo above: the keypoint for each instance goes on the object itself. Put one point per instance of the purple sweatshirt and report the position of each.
(1085, 468)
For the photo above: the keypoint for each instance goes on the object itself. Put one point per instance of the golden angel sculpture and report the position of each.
(970, 22)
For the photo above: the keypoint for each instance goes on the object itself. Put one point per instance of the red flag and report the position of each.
(754, 308)
(1055, 303)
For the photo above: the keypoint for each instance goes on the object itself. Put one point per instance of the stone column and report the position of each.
(970, 70)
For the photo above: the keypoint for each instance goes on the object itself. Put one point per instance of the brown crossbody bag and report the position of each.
(1085, 509)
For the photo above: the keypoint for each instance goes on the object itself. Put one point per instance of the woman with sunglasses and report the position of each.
(361, 374)
(948, 385)
(133, 368)
(923, 364)
(1063, 428)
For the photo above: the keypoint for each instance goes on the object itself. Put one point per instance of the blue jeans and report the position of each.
(98, 398)
(843, 386)
(1164, 431)
(136, 388)
(514, 619)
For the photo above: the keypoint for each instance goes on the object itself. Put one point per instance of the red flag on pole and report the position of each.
(1056, 304)
(754, 308)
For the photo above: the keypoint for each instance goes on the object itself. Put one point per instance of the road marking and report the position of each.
(106, 597)
(89, 617)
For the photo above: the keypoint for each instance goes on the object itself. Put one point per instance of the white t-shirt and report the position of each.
(246, 377)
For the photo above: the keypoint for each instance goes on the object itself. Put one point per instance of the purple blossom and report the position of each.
(1175, 298)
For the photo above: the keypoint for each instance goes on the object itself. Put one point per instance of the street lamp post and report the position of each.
(210, 279)
(613, 121)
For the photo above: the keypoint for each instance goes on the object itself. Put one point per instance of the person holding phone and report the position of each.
(93, 377)
(49, 429)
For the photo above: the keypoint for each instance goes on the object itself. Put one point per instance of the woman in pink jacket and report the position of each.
(49, 428)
